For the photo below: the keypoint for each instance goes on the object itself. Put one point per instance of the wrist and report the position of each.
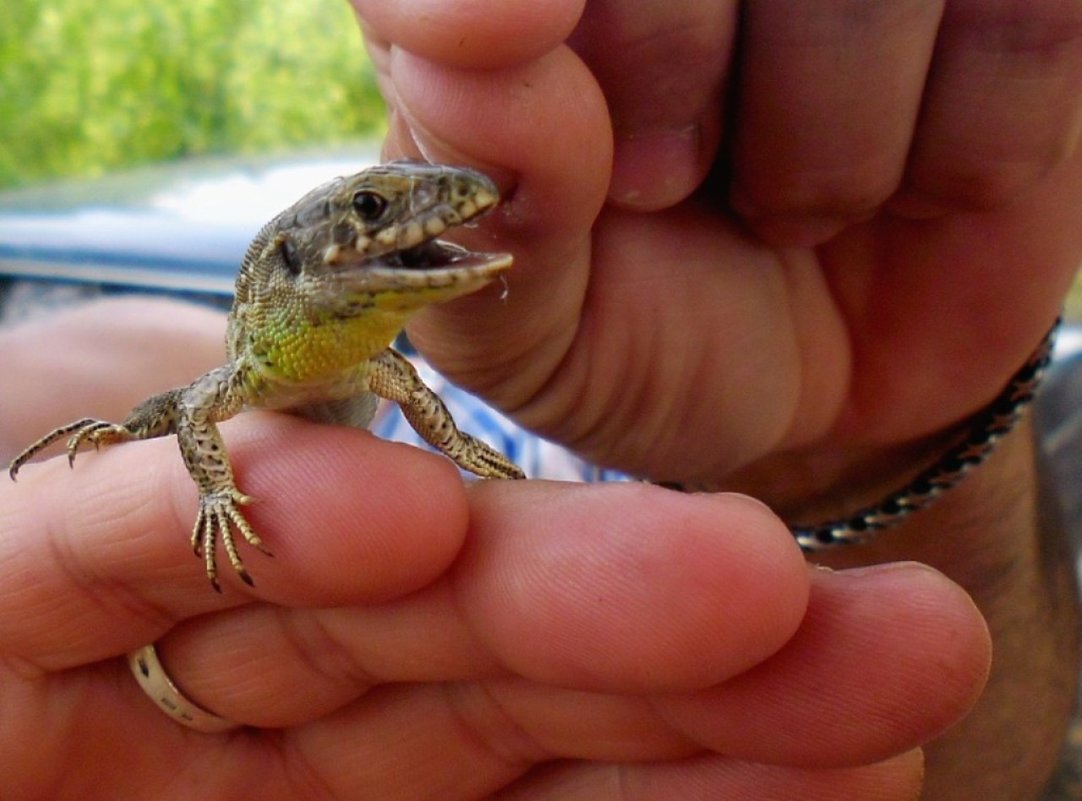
(995, 536)
(977, 529)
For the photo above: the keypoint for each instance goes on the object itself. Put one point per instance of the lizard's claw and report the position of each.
(479, 458)
(218, 515)
(97, 433)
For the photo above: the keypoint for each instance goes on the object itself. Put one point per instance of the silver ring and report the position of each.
(151, 675)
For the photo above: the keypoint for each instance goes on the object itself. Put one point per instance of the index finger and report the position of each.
(97, 561)
(542, 130)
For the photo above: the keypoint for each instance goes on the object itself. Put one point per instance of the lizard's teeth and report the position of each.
(434, 226)
(412, 234)
(483, 199)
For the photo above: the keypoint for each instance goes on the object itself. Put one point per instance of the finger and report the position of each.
(885, 659)
(370, 748)
(465, 114)
(86, 720)
(370, 754)
(97, 561)
(635, 576)
(637, 590)
(484, 759)
(829, 95)
(882, 668)
(663, 68)
(544, 129)
(359, 753)
(398, 743)
(872, 672)
(897, 779)
(476, 738)
(821, 703)
(476, 34)
(933, 265)
(1003, 105)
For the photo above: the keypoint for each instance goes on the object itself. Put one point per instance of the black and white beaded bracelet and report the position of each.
(985, 429)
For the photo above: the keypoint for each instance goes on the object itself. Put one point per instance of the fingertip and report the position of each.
(476, 35)
(543, 133)
(758, 530)
(932, 604)
(886, 658)
(546, 122)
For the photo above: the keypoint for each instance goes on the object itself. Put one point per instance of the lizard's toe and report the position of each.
(218, 516)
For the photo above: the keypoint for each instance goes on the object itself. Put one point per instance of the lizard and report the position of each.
(322, 291)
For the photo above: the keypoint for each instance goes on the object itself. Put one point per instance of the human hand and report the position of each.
(413, 638)
(797, 288)
(897, 232)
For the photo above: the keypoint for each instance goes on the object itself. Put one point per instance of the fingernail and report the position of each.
(657, 169)
(887, 569)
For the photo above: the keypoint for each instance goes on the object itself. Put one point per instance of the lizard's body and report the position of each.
(322, 291)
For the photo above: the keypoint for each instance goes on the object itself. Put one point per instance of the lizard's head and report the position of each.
(375, 233)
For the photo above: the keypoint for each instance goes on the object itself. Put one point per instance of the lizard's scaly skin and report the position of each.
(322, 291)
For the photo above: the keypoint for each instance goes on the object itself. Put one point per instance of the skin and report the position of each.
(417, 622)
(899, 224)
(416, 638)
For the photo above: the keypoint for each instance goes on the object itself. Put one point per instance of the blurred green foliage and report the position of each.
(1072, 308)
(88, 86)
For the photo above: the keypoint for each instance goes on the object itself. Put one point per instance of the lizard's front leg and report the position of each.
(204, 453)
(391, 376)
(189, 412)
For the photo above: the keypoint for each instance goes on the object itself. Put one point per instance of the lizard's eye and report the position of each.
(369, 205)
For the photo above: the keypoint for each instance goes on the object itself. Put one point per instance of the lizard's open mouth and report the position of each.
(434, 267)
(437, 254)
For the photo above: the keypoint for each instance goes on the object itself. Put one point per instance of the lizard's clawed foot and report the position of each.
(97, 433)
(218, 515)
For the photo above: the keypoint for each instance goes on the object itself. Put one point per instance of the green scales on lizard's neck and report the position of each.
(323, 289)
